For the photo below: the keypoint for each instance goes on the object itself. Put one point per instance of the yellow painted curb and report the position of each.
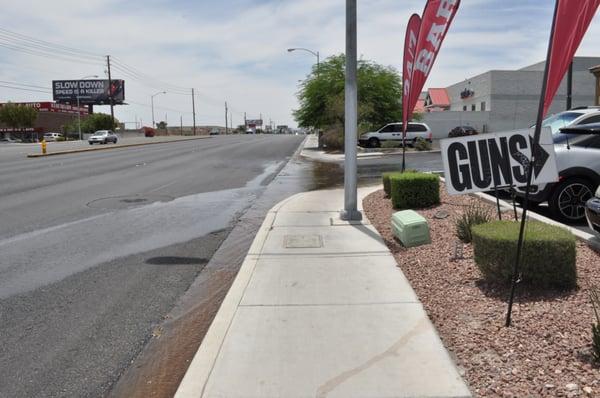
(41, 155)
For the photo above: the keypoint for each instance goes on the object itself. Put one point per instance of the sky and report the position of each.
(235, 50)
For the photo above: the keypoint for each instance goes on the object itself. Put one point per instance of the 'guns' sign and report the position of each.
(482, 162)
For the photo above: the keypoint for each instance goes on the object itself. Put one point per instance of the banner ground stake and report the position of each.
(529, 171)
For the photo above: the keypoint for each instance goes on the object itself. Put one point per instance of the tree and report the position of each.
(17, 116)
(91, 124)
(321, 95)
(161, 125)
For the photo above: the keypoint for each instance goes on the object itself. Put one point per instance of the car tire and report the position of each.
(374, 142)
(115, 141)
(91, 143)
(567, 201)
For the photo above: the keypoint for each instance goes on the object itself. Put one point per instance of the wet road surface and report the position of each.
(97, 248)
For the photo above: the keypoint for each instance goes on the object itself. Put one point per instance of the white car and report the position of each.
(103, 137)
(578, 161)
(393, 132)
(49, 137)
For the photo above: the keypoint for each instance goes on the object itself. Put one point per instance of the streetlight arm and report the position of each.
(315, 53)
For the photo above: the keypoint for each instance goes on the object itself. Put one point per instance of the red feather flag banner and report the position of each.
(410, 50)
(572, 19)
(435, 22)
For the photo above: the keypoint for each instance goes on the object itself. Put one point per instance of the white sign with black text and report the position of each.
(480, 163)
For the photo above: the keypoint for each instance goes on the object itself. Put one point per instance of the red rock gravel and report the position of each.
(547, 351)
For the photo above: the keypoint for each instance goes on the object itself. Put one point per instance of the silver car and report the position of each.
(577, 150)
(103, 137)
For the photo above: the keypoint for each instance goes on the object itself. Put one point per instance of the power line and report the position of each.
(26, 89)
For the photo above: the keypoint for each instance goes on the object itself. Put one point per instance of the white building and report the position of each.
(500, 100)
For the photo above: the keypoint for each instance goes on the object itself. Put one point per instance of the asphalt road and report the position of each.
(97, 247)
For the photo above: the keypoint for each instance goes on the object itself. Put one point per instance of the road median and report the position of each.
(103, 148)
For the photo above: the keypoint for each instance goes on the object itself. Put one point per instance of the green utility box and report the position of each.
(410, 228)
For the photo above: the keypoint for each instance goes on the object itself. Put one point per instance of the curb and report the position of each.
(41, 155)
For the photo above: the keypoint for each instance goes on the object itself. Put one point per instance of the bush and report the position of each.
(548, 253)
(473, 215)
(391, 144)
(414, 190)
(387, 188)
(333, 140)
(422, 144)
(595, 299)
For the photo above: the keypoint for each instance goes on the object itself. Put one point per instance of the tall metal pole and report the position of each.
(194, 111)
(226, 118)
(350, 212)
(570, 87)
(152, 102)
(110, 93)
(78, 117)
(529, 171)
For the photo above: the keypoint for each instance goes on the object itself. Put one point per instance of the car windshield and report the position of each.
(558, 121)
(100, 133)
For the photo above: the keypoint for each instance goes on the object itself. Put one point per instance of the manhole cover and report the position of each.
(302, 241)
(126, 202)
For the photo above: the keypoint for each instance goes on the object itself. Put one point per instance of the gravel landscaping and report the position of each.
(547, 351)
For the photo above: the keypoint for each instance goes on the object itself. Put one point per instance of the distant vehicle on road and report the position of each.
(103, 137)
(214, 132)
(148, 131)
(50, 137)
(393, 132)
(462, 131)
(577, 149)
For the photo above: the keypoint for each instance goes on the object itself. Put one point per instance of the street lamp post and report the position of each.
(350, 211)
(78, 112)
(152, 102)
(316, 54)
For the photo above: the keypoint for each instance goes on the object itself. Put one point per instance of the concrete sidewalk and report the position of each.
(320, 309)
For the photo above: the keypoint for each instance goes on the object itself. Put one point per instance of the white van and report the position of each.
(52, 137)
(393, 132)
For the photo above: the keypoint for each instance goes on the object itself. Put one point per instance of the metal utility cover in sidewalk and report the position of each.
(302, 241)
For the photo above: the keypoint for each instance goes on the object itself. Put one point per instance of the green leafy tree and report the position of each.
(17, 116)
(161, 125)
(321, 95)
(90, 124)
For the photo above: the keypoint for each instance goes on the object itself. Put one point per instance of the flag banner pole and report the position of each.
(529, 170)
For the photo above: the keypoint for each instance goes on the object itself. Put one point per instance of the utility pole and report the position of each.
(194, 111)
(231, 120)
(350, 212)
(110, 93)
(181, 123)
(245, 122)
(226, 129)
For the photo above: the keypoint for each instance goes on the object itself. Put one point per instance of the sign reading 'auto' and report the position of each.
(481, 162)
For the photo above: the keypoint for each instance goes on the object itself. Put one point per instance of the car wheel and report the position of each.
(91, 143)
(374, 142)
(567, 202)
(115, 141)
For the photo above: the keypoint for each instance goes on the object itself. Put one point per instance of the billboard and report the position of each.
(254, 122)
(95, 92)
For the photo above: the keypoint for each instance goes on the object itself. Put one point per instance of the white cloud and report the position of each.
(235, 50)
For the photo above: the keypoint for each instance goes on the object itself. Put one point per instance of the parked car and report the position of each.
(214, 132)
(577, 150)
(50, 137)
(592, 213)
(393, 132)
(103, 137)
(148, 132)
(462, 131)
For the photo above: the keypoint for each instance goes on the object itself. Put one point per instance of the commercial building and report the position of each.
(51, 117)
(501, 100)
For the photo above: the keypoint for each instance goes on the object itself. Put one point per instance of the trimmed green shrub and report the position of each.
(410, 190)
(422, 144)
(548, 253)
(387, 187)
(473, 215)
